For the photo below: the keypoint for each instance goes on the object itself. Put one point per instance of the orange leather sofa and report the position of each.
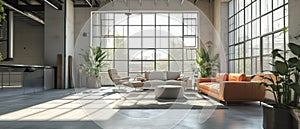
(232, 88)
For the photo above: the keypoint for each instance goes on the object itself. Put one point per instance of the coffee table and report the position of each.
(169, 92)
(135, 84)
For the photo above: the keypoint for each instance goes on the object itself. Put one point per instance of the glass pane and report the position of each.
(241, 18)
(231, 66)
(256, 65)
(189, 41)
(247, 2)
(148, 54)
(121, 54)
(248, 31)
(236, 51)
(277, 3)
(241, 34)
(266, 6)
(162, 19)
(241, 51)
(255, 28)
(241, 66)
(278, 20)
(162, 54)
(162, 42)
(148, 19)
(255, 47)
(121, 42)
(107, 43)
(135, 66)
(176, 54)
(96, 19)
(248, 14)
(148, 31)
(135, 31)
(236, 68)
(96, 41)
(248, 49)
(266, 24)
(135, 54)
(187, 66)
(231, 38)
(135, 43)
(279, 41)
(109, 55)
(175, 43)
(267, 44)
(135, 19)
(162, 65)
(175, 66)
(162, 31)
(121, 66)
(120, 19)
(248, 66)
(175, 30)
(231, 8)
(96, 31)
(231, 23)
(255, 9)
(190, 30)
(120, 30)
(266, 63)
(231, 52)
(148, 66)
(286, 15)
(175, 19)
(148, 42)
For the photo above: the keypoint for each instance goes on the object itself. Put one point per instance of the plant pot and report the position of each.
(277, 118)
(93, 82)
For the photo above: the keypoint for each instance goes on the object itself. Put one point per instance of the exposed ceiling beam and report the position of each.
(89, 3)
(26, 2)
(182, 2)
(155, 2)
(33, 17)
(168, 2)
(195, 1)
(54, 4)
(31, 7)
(140, 2)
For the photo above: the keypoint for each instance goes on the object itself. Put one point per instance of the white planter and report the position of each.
(93, 82)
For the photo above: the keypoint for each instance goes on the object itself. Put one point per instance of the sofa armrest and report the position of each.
(206, 80)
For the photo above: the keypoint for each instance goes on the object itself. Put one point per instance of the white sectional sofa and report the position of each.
(156, 78)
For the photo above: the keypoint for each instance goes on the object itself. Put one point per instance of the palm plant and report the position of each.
(94, 59)
(207, 64)
(2, 13)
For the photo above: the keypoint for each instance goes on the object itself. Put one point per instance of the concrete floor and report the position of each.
(68, 109)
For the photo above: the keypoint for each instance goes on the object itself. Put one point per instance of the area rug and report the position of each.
(146, 100)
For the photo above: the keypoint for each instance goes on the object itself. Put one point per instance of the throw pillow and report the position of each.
(236, 77)
(220, 77)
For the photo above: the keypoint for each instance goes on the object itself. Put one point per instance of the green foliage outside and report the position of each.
(1, 57)
(94, 59)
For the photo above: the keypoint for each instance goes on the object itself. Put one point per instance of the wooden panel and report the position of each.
(59, 72)
(70, 77)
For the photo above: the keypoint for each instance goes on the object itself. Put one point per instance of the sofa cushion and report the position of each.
(173, 75)
(157, 76)
(236, 77)
(220, 77)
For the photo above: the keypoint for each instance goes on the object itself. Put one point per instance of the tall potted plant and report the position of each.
(1, 58)
(94, 62)
(207, 63)
(285, 87)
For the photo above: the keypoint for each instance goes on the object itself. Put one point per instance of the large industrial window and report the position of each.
(255, 29)
(139, 42)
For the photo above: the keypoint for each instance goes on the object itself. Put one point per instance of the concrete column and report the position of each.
(294, 20)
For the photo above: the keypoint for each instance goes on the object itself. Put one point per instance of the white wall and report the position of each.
(28, 43)
(54, 34)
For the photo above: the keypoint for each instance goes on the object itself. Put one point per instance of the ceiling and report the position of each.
(28, 8)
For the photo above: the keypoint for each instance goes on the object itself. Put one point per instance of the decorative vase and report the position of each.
(93, 82)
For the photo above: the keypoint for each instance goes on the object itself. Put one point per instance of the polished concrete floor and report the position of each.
(74, 109)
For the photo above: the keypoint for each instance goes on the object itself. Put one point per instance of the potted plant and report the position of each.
(207, 63)
(285, 87)
(94, 61)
